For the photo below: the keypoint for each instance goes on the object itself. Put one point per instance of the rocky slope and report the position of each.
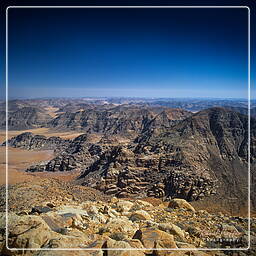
(121, 120)
(69, 216)
(29, 141)
(243, 110)
(24, 118)
(79, 153)
(203, 155)
(124, 119)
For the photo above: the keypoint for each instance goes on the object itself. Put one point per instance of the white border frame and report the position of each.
(249, 141)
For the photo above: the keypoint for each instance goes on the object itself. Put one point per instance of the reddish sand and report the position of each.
(18, 161)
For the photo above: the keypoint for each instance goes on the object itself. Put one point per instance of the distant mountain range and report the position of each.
(83, 113)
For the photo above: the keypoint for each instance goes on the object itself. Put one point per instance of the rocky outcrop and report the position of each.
(192, 187)
(201, 156)
(124, 173)
(60, 163)
(97, 225)
(77, 153)
(29, 141)
(24, 118)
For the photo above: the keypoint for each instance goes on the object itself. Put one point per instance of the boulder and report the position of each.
(141, 205)
(140, 215)
(69, 211)
(58, 223)
(181, 203)
(29, 232)
(121, 225)
(124, 206)
(155, 238)
(172, 229)
(135, 243)
(121, 244)
(111, 243)
(35, 232)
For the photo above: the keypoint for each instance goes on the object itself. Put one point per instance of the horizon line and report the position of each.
(125, 97)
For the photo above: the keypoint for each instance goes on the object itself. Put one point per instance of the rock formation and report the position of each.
(24, 118)
(205, 154)
(126, 120)
(29, 141)
(67, 218)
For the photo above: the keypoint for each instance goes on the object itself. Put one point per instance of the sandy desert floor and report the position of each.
(19, 159)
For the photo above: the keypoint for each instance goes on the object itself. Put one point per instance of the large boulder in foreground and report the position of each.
(155, 238)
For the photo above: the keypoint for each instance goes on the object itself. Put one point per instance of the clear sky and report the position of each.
(128, 52)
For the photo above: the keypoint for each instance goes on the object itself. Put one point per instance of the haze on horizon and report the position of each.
(161, 53)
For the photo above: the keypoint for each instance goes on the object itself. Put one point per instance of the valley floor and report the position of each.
(20, 159)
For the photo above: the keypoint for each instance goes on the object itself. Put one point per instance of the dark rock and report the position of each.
(51, 205)
(29, 141)
(40, 209)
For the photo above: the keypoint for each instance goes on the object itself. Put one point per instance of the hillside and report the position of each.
(69, 216)
(128, 120)
(203, 155)
(24, 118)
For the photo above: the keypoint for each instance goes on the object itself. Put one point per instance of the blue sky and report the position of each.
(128, 52)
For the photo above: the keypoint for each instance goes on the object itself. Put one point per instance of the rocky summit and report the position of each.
(82, 219)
